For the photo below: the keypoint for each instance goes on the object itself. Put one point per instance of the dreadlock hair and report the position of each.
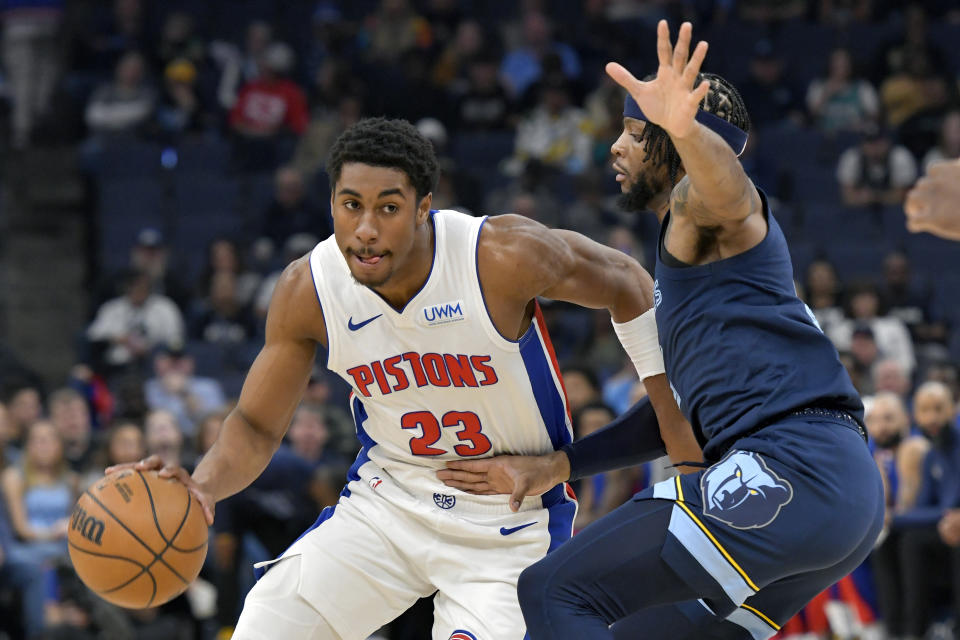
(722, 100)
(395, 144)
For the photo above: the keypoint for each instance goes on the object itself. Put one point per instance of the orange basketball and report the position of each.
(136, 539)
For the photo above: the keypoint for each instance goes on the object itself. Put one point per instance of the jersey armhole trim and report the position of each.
(316, 291)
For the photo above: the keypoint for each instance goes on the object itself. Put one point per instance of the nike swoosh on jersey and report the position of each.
(505, 532)
(361, 325)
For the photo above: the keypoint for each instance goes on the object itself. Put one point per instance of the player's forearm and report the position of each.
(677, 434)
(239, 455)
(715, 173)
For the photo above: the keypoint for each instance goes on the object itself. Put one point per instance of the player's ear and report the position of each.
(423, 209)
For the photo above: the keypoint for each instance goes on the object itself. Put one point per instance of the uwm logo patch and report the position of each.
(89, 527)
(443, 313)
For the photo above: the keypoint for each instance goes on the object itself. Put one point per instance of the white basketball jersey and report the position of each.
(436, 381)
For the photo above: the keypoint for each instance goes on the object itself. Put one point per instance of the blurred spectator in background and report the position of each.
(25, 576)
(900, 459)
(296, 246)
(8, 455)
(554, 133)
(841, 101)
(70, 414)
(823, 294)
(911, 299)
(876, 172)
(522, 65)
(890, 377)
(129, 327)
(224, 256)
(179, 109)
(269, 108)
(175, 389)
(220, 318)
(913, 89)
(39, 495)
(239, 67)
(162, 437)
(768, 92)
(150, 255)
(842, 12)
(292, 211)
(124, 29)
(948, 146)
(24, 407)
(451, 68)
(309, 435)
(483, 104)
(581, 385)
(600, 494)
(179, 41)
(892, 336)
(125, 105)
(124, 443)
(274, 510)
(926, 561)
(208, 429)
(895, 56)
(325, 125)
(859, 360)
(395, 29)
(31, 59)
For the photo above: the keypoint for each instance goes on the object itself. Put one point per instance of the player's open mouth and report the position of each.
(621, 174)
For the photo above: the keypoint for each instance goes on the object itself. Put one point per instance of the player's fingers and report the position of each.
(461, 476)
(622, 77)
(475, 466)
(700, 92)
(151, 463)
(519, 493)
(682, 50)
(696, 60)
(467, 486)
(119, 467)
(204, 504)
(663, 44)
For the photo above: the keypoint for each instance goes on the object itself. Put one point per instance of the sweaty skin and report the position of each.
(386, 237)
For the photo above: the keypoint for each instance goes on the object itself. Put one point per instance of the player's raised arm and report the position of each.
(716, 190)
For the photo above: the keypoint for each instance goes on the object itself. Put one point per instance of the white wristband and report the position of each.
(640, 340)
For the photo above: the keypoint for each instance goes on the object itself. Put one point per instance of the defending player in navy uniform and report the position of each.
(431, 317)
(792, 500)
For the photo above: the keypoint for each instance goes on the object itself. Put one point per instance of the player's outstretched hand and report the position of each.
(518, 476)
(670, 100)
(931, 205)
(155, 463)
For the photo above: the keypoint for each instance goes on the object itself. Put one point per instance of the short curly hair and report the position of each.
(382, 142)
(722, 100)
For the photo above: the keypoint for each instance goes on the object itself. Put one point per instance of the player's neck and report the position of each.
(409, 280)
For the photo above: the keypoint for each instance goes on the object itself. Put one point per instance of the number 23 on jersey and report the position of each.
(473, 441)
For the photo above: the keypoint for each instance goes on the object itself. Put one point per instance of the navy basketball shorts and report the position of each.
(732, 551)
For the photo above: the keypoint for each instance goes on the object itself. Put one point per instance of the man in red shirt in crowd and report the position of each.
(271, 103)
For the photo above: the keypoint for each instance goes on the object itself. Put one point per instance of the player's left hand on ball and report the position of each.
(518, 476)
(155, 463)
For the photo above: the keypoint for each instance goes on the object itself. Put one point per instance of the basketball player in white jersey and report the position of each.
(431, 316)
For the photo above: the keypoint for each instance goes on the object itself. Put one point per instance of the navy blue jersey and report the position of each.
(741, 350)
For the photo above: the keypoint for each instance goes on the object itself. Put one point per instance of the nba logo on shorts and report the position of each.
(460, 634)
(444, 501)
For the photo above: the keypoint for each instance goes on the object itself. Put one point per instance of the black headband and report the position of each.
(731, 134)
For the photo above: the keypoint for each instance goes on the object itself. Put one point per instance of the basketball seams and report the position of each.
(157, 556)
(144, 569)
(170, 543)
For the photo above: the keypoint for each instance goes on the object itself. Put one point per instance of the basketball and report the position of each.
(137, 540)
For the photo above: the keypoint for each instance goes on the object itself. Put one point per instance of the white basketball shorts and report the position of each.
(369, 558)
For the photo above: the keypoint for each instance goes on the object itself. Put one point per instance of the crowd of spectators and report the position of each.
(517, 106)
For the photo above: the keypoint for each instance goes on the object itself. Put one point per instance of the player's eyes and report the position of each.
(351, 204)
(636, 137)
(391, 208)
